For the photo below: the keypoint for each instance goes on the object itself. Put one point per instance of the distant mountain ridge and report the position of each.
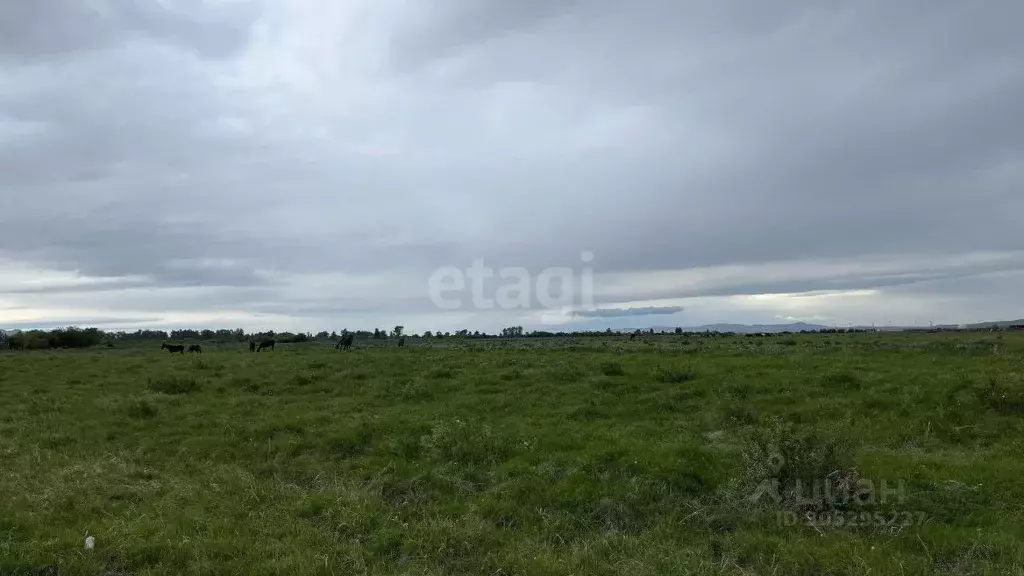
(798, 326)
(737, 328)
(1000, 323)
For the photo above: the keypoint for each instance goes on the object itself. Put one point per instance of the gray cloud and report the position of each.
(53, 28)
(622, 312)
(445, 28)
(241, 148)
(83, 322)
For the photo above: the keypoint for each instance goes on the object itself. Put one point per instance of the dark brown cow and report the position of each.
(345, 341)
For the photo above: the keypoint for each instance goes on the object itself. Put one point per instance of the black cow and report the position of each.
(252, 346)
(345, 341)
(265, 344)
(195, 348)
(172, 348)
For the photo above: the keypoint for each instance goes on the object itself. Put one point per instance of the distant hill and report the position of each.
(1000, 323)
(738, 328)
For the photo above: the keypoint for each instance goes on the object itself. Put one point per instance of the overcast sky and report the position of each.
(309, 164)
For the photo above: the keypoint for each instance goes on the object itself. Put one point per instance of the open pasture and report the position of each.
(519, 456)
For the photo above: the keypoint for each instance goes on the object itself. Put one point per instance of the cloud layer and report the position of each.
(627, 312)
(309, 164)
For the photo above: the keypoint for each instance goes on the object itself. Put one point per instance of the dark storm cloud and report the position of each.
(247, 144)
(827, 153)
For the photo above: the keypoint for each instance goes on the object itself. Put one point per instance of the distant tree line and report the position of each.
(72, 337)
(75, 337)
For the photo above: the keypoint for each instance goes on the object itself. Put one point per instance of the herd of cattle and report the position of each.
(344, 342)
(180, 348)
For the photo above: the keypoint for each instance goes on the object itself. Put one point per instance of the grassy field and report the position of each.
(586, 456)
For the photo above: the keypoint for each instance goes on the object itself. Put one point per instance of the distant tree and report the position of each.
(428, 334)
(144, 335)
(71, 337)
(397, 332)
(26, 340)
(679, 330)
(512, 331)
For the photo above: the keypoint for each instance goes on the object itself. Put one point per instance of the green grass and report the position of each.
(533, 457)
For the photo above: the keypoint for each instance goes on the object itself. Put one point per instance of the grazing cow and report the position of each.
(632, 336)
(265, 344)
(195, 348)
(401, 341)
(252, 346)
(345, 341)
(172, 348)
